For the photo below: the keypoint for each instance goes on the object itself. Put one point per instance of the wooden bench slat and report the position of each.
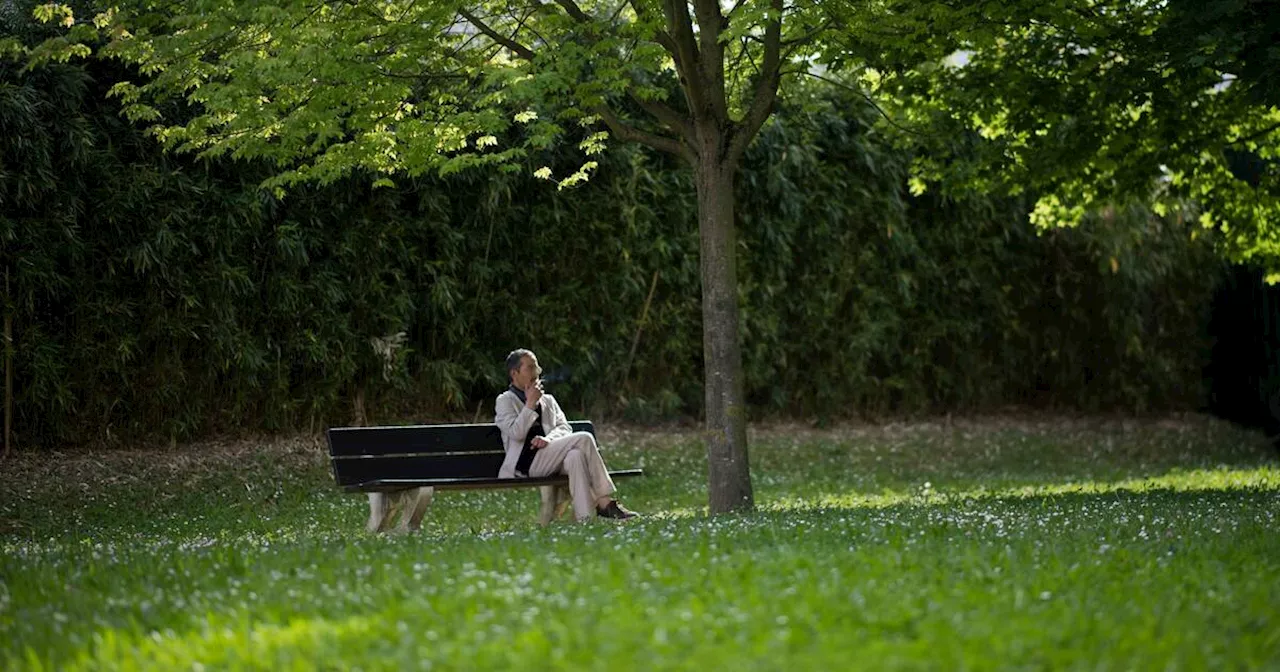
(396, 440)
(389, 484)
(422, 467)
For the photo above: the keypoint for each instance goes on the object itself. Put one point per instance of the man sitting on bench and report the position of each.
(539, 442)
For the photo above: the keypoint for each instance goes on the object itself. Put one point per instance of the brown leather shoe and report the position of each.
(615, 511)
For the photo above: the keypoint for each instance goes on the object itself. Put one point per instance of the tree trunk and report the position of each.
(8, 368)
(726, 432)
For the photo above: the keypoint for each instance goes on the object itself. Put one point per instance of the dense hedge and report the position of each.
(165, 297)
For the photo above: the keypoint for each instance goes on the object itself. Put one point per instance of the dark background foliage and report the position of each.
(156, 296)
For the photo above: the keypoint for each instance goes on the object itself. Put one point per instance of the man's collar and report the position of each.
(516, 391)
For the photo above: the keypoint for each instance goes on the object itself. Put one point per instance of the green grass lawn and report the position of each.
(1023, 544)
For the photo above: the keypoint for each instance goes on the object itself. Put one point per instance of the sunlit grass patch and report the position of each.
(238, 645)
(1221, 478)
(972, 545)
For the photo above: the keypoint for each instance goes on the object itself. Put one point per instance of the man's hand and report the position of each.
(532, 394)
(539, 443)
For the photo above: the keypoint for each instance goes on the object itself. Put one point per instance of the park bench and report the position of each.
(400, 468)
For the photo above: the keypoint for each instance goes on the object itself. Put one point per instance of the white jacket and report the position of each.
(514, 419)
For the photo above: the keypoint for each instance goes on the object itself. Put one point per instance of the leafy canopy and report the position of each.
(408, 87)
(1080, 103)
(1092, 103)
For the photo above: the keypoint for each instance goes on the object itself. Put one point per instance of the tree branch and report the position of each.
(667, 116)
(315, 10)
(865, 97)
(766, 89)
(736, 66)
(680, 27)
(808, 37)
(516, 48)
(664, 114)
(710, 21)
(661, 37)
(613, 17)
(574, 10)
(711, 55)
(1254, 136)
(628, 133)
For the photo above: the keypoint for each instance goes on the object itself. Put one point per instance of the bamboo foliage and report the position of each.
(155, 296)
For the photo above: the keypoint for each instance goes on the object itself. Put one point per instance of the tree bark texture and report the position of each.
(729, 478)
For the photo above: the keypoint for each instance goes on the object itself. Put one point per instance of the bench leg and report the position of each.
(563, 500)
(548, 493)
(379, 508)
(411, 505)
(416, 502)
(555, 499)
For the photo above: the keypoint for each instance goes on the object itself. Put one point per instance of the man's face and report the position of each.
(527, 373)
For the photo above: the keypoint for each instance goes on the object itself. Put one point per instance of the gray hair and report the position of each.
(515, 358)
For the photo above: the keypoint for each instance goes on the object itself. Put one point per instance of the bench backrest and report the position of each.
(363, 454)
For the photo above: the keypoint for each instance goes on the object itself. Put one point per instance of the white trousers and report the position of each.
(577, 457)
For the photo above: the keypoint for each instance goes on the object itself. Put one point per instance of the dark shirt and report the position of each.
(526, 453)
